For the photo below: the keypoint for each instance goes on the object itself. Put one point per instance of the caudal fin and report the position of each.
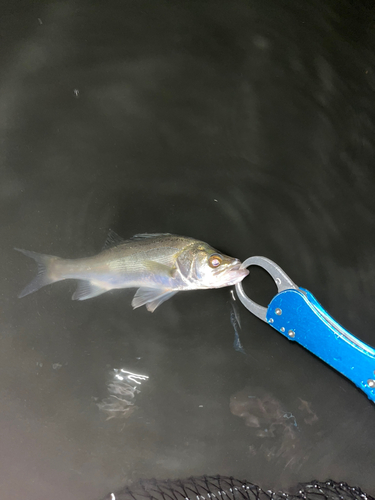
(43, 277)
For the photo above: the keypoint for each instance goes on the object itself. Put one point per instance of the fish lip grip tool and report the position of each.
(296, 314)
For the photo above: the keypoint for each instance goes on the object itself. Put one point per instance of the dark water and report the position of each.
(250, 125)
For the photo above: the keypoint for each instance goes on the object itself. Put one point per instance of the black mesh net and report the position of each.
(228, 488)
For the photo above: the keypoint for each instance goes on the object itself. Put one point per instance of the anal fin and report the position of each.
(151, 297)
(87, 290)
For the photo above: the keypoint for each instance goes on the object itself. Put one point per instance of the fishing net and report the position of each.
(228, 488)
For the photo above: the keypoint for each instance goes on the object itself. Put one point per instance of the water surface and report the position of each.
(249, 125)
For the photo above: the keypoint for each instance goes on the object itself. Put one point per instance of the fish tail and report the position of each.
(44, 276)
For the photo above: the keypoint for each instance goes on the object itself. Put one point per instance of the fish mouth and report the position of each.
(232, 274)
(240, 271)
(236, 274)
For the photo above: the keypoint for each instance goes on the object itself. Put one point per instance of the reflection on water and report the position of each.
(269, 419)
(236, 323)
(122, 389)
(311, 417)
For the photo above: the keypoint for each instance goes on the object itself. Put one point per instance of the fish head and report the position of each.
(205, 267)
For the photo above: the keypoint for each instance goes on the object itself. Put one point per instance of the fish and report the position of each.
(159, 265)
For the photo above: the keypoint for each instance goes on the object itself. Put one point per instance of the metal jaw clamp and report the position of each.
(296, 314)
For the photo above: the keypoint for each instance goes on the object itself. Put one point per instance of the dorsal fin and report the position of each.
(113, 239)
(148, 235)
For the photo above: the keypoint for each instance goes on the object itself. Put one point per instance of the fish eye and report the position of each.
(214, 261)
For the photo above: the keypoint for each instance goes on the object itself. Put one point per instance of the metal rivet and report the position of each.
(270, 320)
(282, 329)
(371, 383)
(291, 334)
(278, 311)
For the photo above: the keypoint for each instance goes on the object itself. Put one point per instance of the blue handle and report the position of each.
(297, 315)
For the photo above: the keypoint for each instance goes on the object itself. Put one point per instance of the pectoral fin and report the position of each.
(87, 290)
(151, 297)
(159, 269)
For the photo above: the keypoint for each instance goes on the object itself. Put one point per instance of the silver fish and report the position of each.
(159, 265)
